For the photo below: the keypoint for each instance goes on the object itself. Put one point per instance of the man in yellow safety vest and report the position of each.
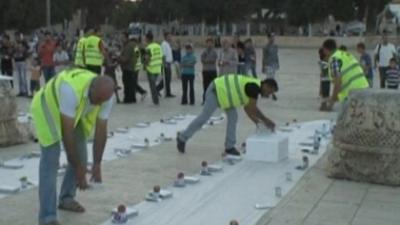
(94, 52)
(65, 112)
(153, 61)
(79, 60)
(345, 72)
(229, 92)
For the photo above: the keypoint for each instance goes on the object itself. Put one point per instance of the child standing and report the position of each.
(325, 83)
(188, 63)
(36, 72)
(366, 62)
(392, 75)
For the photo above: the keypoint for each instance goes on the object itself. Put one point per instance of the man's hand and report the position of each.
(271, 125)
(96, 173)
(80, 173)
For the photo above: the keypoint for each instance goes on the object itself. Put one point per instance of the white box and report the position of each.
(268, 147)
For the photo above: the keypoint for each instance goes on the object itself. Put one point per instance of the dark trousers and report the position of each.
(129, 86)
(187, 80)
(138, 88)
(35, 86)
(382, 76)
(48, 72)
(94, 69)
(208, 77)
(7, 69)
(167, 80)
(153, 87)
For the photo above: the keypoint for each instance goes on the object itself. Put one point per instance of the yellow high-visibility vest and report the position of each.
(155, 64)
(231, 90)
(352, 74)
(138, 65)
(45, 107)
(93, 54)
(79, 52)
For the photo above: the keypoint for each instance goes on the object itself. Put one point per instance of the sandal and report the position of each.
(72, 206)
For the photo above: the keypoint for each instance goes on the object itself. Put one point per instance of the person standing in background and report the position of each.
(36, 72)
(250, 57)
(383, 53)
(177, 55)
(228, 59)
(167, 61)
(241, 59)
(94, 52)
(325, 82)
(153, 60)
(366, 63)
(61, 59)
(392, 75)
(188, 75)
(138, 65)
(127, 61)
(270, 59)
(7, 51)
(209, 60)
(46, 53)
(20, 57)
(110, 65)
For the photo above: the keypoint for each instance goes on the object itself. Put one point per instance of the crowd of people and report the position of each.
(46, 54)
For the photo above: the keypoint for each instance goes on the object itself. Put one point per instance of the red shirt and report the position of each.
(46, 52)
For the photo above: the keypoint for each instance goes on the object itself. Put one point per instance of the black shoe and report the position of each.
(232, 151)
(180, 145)
(170, 96)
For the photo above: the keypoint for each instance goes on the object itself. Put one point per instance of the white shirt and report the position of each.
(385, 54)
(69, 103)
(60, 57)
(167, 50)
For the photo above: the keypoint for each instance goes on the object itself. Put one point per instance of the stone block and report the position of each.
(267, 147)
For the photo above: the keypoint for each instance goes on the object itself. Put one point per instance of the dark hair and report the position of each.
(343, 48)
(330, 44)
(321, 54)
(149, 36)
(272, 83)
(361, 45)
(166, 33)
(393, 60)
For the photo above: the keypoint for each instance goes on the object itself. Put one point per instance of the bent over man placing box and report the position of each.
(67, 109)
(229, 92)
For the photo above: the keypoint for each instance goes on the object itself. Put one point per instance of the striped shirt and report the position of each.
(392, 77)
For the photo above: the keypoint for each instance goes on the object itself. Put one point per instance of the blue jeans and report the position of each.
(48, 72)
(22, 79)
(252, 68)
(48, 170)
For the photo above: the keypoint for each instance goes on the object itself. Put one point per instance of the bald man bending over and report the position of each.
(66, 111)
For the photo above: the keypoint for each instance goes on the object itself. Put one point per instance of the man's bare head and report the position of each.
(101, 90)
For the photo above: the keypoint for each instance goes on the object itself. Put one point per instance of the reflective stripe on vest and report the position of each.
(93, 55)
(354, 78)
(230, 90)
(155, 63)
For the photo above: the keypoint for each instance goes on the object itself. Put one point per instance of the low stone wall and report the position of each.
(366, 143)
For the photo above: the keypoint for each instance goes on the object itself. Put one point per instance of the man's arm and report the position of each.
(100, 139)
(67, 128)
(256, 115)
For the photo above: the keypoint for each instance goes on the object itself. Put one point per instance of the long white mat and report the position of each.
(234, 192)
(126, 141)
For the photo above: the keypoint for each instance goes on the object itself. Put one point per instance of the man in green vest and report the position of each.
(79, 55)
(138, 65)
(345, 72)
(94, 52)
(65, 112)
(230, 92)
(153, 60)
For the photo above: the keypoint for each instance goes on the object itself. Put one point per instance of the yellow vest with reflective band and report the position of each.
(231, 90)
(93, 54)
(138, 65)
(45, 106)
(156, 55)
(352, 74)
(79, 52)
